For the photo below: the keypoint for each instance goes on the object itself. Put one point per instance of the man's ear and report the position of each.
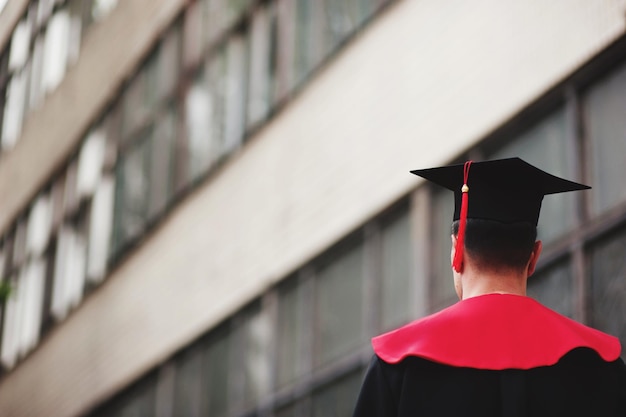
(453, 249)
(534, 257)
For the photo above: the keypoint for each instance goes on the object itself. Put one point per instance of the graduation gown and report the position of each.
(494, 355)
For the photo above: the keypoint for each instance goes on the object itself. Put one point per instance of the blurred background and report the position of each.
(206, 207)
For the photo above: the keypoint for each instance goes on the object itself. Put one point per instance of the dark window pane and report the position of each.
(606, 123)
(338, 398)
(607, 274)
(289, 337)
(442, 284)
(161, 161)
(339, 306)
(545, 146)
(131, 195)
(188, 387)
(396, 272)
(218, 374)
(553, 287)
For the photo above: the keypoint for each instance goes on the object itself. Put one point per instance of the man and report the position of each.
(496, 352)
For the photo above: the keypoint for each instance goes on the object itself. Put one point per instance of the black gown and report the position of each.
(415, 380)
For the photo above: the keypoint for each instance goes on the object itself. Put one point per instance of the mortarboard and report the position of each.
(504, 190)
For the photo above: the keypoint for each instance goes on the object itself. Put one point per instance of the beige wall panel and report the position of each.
(109, 53)
(420, 85)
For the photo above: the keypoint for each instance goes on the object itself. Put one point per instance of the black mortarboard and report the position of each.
(503, 190)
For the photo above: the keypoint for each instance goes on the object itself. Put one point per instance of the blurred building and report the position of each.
(206, 207)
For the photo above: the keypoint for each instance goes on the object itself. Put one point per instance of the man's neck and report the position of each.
(477, 283)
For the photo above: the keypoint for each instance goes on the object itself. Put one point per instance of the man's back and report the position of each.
(581, 383)
(494, 355)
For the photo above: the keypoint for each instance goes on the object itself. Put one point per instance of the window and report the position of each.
(69, 271)
(442, 284)
(14, 110)
(339, 306)
(290, 364)
(168, 63)
(90, 164)
(607, 277)
(188, 383)
(338, 398)
(260, 75)
(56, 49)
(23, 312)
(162, 151)
(251, 339)
(20, 45)
(199, 105)
(235, 93)
(218, 372)
(132, 192)
(554, 288)
(100, 228)
(396, 272)
(605, 106)
(545, 145)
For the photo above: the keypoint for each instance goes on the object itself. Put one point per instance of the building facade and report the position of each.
(206, 209)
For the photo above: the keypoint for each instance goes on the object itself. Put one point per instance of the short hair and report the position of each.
(496, 246)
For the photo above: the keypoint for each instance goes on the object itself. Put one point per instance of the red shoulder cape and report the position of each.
(494, 331)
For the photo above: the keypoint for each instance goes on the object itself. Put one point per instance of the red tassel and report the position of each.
(457, 263)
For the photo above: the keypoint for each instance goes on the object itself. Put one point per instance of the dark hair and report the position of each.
(495, 246)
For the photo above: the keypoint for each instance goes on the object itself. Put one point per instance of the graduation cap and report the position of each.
(504, 190)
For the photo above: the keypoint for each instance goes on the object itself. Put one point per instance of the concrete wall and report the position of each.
(421, 84)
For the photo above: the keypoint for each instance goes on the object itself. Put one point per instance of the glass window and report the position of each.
(256, 336)
(235, 89)
(56, 50)
(132, 193)
(39, 222)
(342, 18)
(338, 398)
(188, 386)
(35, 89)
(396, 272)
(442, 284)
(260, 76)
(23, 312)
(290, 364)
(90, 163)
(100, 229)
(605, 106)
(283, 33)
(161, 163)
(200, 116)
(20, 45)
(14, 110)
(554, 288)
(218, 373)
(304, 50)
(607, 277)
(216, 76)
(339, 306)
(69, 271)
(102, 8)
(11, 326)
(545, 145)
(32, 284)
